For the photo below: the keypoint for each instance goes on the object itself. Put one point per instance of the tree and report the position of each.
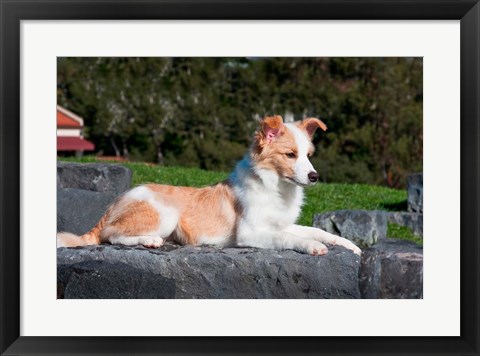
(202, 111)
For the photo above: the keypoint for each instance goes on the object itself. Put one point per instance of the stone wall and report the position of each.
(171, 271)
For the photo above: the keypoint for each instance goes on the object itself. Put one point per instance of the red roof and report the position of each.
(74, 144)
(65, 121)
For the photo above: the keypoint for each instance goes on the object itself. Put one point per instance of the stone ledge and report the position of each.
(366, 227)
(109, 272)
(105, 280)
(392, 269)
(363, 227)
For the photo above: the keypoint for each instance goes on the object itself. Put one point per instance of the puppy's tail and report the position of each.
(67, 239)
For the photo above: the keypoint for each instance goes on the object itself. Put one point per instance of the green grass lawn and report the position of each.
(319, 198)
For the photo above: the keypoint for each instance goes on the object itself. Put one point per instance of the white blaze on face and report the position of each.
(302, 166)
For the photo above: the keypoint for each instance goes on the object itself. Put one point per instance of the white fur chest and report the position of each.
(267, 202)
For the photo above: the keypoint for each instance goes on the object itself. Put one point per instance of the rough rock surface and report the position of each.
(415, 192)
(363, 227)
(79, 210)
(100, 279)
(84, 192)
(392, 269)
(98, 177)
(414, 221)
(109, 271)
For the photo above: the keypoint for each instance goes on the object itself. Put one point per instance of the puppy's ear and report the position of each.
(272, 127)
(311, 125)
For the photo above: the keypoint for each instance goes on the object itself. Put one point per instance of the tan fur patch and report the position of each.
(67, 239)
(273, 155)
(310, 125)
(204, 212)
(131, 218)
(210, 213)
(171, 195)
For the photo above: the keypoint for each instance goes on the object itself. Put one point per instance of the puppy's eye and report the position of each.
(291, 155)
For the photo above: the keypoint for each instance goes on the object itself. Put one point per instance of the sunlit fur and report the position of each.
(256, 206)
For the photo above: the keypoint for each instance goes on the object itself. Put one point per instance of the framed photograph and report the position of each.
(420, 58)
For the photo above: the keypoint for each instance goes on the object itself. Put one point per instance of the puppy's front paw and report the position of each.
(316, 248)
(356, 250)
(340, 241)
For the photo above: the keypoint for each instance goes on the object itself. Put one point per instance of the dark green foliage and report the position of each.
(201, 112)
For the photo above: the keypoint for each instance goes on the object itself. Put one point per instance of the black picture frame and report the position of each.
(13, 12)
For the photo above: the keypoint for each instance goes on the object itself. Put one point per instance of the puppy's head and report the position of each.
(285, 148)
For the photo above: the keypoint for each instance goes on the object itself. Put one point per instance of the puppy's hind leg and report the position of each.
(141, 223)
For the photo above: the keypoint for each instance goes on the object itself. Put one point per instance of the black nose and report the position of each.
(313, 177)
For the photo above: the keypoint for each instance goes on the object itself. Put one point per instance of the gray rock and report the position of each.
(101, 279)
(415, 192)
(98, 177)
(392, 269)
(363, 227)
(79, 210)
(414, 221)
(84, 192)
(206, 272)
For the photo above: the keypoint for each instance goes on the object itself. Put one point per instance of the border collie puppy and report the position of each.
(256, 206)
